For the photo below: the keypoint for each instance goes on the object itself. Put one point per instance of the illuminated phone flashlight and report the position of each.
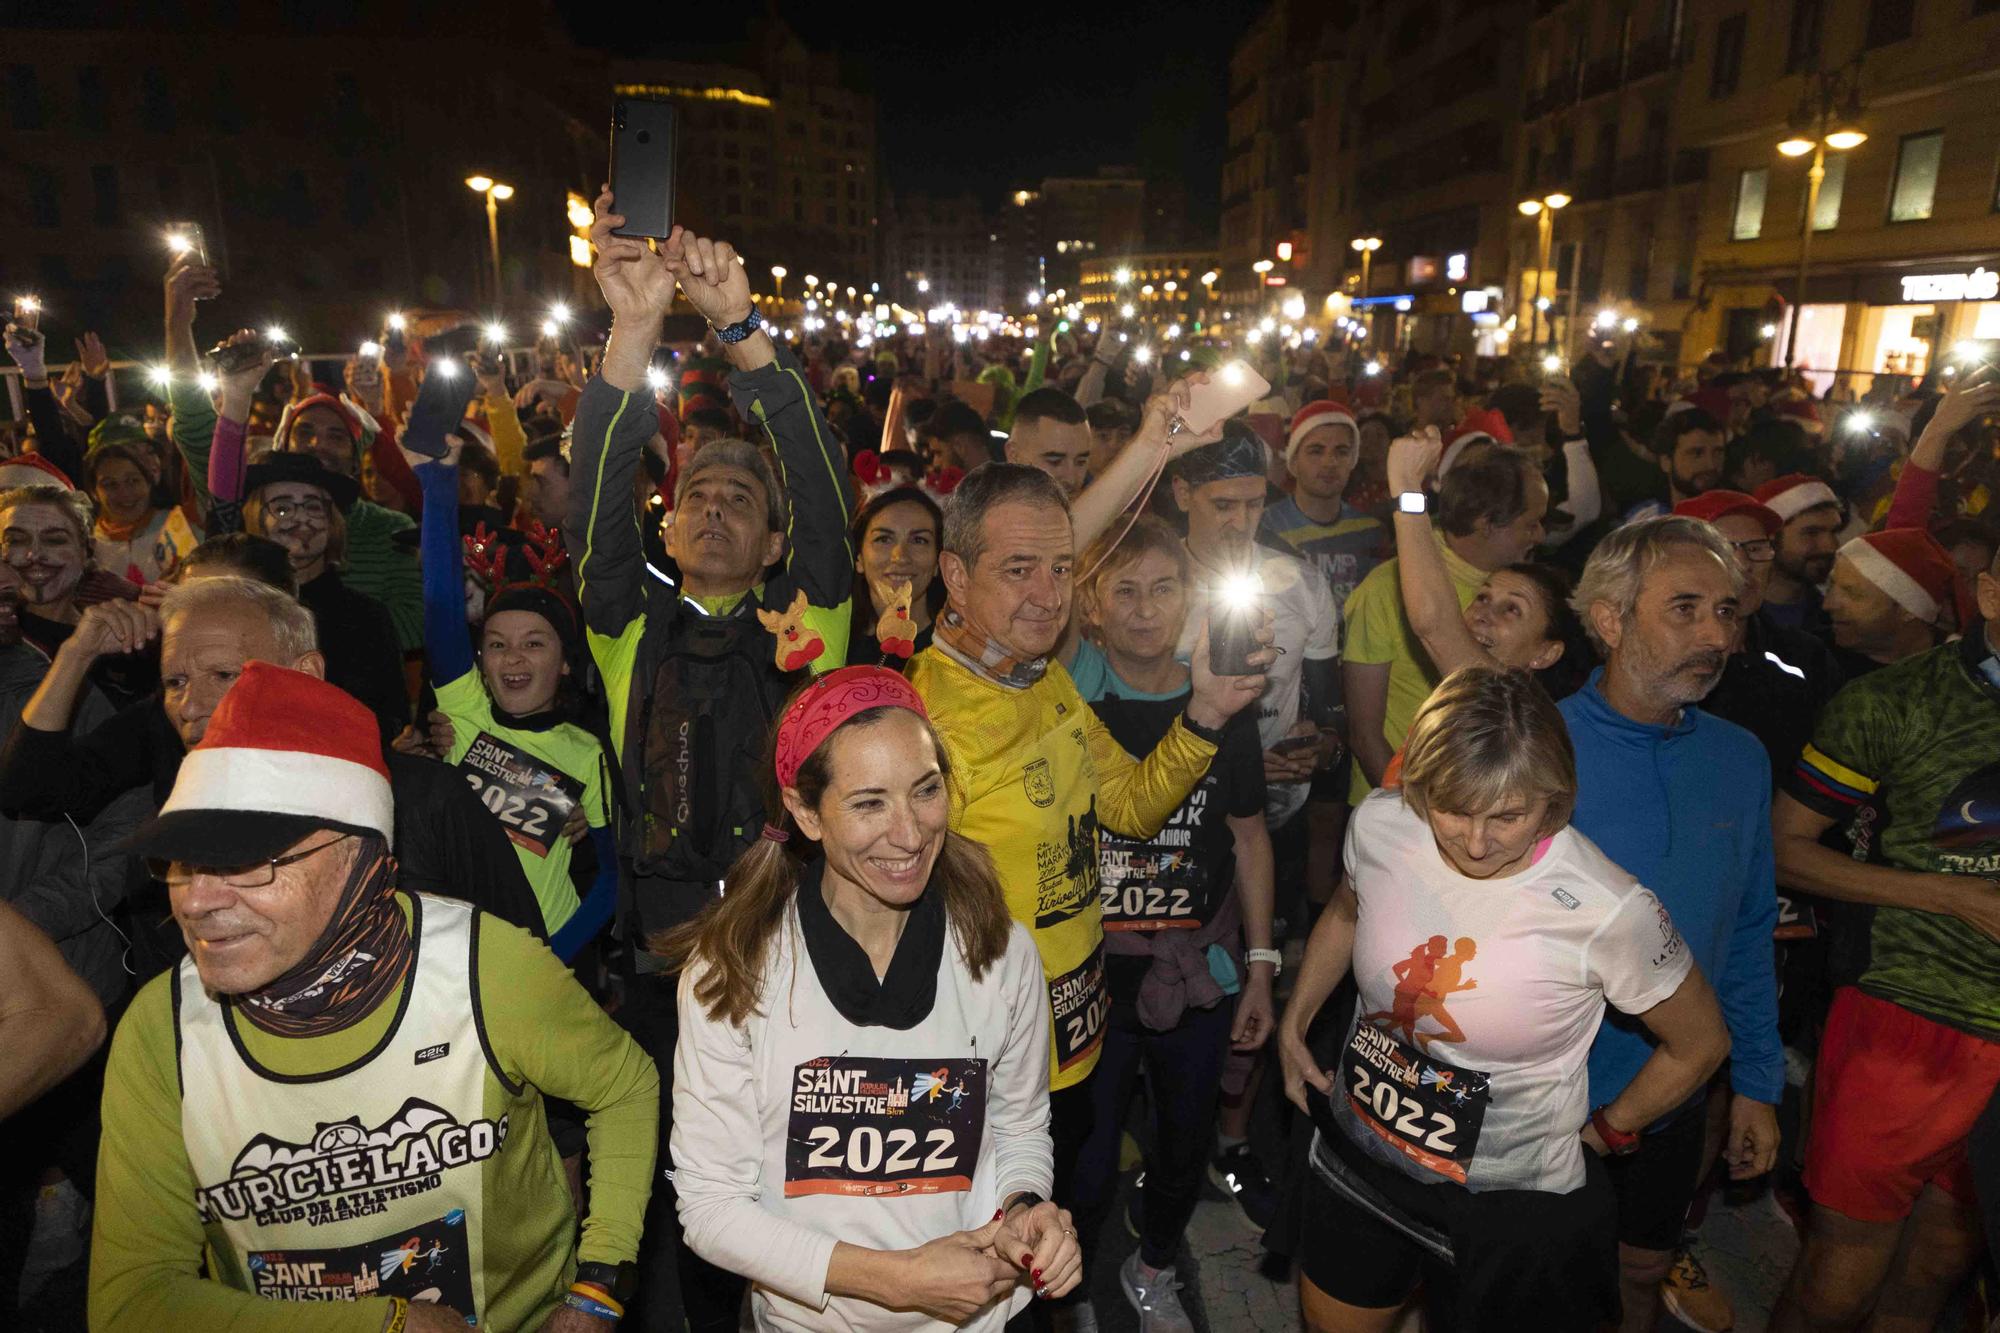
(550, 328)
(370, 350)
(1142, 354)
(178, 243)
(30, 305)
(444, 366)
(1372, 368)
(959, 333)
(1860, 423)
(496, 333)
(275, 334)
(1631, 326)
(1126, 310)
(396, 321)
(1254, 336)
(1187, 356)
(1240, 592)
(1231, 373)
(559, 313)
(656, 378)
(159, 376)
(207, 381)
(1552, 363)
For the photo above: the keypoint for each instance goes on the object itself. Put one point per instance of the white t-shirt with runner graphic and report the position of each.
(1480, 999)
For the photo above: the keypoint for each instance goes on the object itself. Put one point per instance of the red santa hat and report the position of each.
(1714, 506)
(1794, 493)
(32, 470)
(1488, 425)
(1909, 566)
(1324, 412)
(285, 755)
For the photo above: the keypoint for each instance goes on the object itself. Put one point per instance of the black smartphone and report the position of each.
(1232, 637)
(643, 138)
(230, 359)
(447, 391)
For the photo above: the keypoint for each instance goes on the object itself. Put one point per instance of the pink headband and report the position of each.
(827, 703)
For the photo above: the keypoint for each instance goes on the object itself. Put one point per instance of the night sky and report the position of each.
(1036, 89)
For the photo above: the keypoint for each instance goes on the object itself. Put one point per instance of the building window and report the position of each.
(1826, 213)
(1727, 67)
(1802, 50)
(90, 98)
(24, 97)
(104, 195)
(44, 204)
(156, 101)
(1916, 176)
(1747, 222)
(1890, 21)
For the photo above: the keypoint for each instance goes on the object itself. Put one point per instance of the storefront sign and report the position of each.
(1982, 284)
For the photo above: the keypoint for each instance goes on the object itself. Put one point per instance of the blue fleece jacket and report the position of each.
(1686, 809)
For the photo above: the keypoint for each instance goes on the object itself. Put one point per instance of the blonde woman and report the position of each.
(1485, 937)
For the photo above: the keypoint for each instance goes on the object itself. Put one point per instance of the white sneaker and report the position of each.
(1156, 1298)
(62, 1218)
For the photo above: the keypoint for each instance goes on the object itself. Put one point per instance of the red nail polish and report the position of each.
(1027, 1259)
(1037, 1273)
(999, 1213)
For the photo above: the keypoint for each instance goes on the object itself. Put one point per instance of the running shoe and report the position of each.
(1237, 1173)
(1156, 1298)
(1692, 1298)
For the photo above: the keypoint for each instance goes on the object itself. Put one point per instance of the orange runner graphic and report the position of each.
(1423, 980)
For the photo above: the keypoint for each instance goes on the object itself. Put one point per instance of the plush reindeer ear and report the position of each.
(771, 620)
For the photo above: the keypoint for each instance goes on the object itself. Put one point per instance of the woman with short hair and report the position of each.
(860, 1112)
(1486, 937)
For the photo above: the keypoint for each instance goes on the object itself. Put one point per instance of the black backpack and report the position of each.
(703, 731)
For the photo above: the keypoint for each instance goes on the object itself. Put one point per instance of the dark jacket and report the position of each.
(358, 640)
(1773, 687)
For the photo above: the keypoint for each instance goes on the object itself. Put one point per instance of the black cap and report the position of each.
(226, 837)
(303, 469)
(1240, 452)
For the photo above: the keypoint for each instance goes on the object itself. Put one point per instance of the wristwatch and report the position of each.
(620, 1280)
(1621, 1142)
(1412, 502)
(1271, 956)
(741, 329)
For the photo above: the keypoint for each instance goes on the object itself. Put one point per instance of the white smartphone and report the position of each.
(1230, 388)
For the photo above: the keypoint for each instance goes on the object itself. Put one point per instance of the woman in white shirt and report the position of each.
(1485, 937)
(861, 1081)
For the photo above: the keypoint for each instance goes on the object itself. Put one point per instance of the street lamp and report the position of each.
(778, 272)
(1366, 246)
(496, 192)
(1825, 118)
(1543, 211)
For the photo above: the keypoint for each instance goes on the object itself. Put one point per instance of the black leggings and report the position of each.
(1183, 1068)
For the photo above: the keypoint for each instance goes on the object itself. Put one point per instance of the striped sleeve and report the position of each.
(1851, 747)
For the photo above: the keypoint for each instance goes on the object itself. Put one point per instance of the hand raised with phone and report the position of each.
(635, 279)
(714, 281)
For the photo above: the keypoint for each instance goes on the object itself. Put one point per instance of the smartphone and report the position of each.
(1232, 637)
(441, 403)
(1228, 391)
(186, 238)
(231, 358)
(643, 138)
(28, 313)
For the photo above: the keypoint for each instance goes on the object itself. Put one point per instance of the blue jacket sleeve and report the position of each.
(594, 911)
(1748, 987)
(446, 639)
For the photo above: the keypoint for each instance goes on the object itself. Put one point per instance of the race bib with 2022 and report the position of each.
(531, 800)
(1429, 1110)
(875, 1126)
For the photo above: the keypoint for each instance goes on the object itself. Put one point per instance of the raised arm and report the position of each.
(1153, 446)
(1430, 603)
(1916, 487)
(440, 556)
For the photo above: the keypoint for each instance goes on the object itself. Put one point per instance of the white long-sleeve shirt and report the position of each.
(800, 1129)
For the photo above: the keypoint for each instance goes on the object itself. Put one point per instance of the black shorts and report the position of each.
(1520, 1258)
(1655, 1186)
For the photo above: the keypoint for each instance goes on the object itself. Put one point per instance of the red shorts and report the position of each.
(1895, 1096)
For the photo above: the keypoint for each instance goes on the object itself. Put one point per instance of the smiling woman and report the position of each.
(860, 1021)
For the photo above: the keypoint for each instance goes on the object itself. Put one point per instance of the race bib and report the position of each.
(870, 1126)
(1078, 1003)
(1796, 920)
(1143, 886)
(531, 800)
(430, 1263)
(1426, 1109)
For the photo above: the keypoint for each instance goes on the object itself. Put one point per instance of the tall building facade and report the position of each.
(322, 155)
(777, 153)
(941, 250)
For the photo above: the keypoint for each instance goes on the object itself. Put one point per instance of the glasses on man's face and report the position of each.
(256, 875)
(1757, 549)
(311, 510)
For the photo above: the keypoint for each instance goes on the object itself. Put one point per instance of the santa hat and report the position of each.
(1324, 412)
(32, 470)
(1794, 493)
(1714, 506)
(1488, 426)
(1801, 412)
(285, 755)
(1910, 567)
(363, 427)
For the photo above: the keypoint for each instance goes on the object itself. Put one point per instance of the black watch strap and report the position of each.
(1025, 1199)
(741, 329)
(621, 1280)
(1199, 732)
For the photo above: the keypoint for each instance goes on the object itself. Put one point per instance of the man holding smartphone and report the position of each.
(691, 674)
